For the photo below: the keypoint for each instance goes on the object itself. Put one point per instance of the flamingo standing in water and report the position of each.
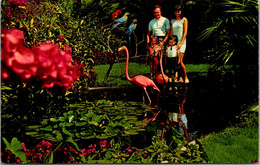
(139, 80)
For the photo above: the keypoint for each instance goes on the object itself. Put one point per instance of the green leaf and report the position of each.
(31, 133)
(67, 132)
(62, 118)
(69, 139)
(48, 128)
(58, 135)
(34, 126)
(93, 123)
(16, 148)
(51, 158)
(54, 120)
(81, 123)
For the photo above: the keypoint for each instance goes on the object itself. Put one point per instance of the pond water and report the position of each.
(203, 106)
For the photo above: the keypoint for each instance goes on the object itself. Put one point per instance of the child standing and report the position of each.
(171, 59)
(154, 53)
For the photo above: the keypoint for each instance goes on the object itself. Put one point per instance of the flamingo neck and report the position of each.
(126, 65)
(161, 63)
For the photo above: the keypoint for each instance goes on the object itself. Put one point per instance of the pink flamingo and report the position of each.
(161, 78)
(139, 80)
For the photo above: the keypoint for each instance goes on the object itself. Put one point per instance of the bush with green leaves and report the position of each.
(105, 151)
(43, 22)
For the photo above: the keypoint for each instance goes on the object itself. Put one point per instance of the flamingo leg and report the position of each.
(143, 97)
(147, 96)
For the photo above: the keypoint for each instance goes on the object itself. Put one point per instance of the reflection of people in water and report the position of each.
(172, 113)
(180, 116)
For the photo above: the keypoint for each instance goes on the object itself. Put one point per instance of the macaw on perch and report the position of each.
(131, 28)
(120, 20)
(115, 14)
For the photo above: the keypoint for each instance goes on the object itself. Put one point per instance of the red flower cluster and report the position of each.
(9, 13)
(18, 2)
(46, 63)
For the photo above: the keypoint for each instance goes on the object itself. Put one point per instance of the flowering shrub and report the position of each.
(101, 152)
(46, 63)
(106, 57)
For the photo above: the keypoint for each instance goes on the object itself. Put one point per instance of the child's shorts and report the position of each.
(172, 63)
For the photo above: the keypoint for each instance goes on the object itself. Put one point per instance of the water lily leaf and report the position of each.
(45, 121)
(62, 124)
(132, 132)
(48, 128)
(47, 135)
(62, 118)
(54, 120)
(31, 133)
(71, 118)
(34, 126)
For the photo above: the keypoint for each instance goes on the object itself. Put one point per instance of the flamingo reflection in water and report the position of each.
(139, 80)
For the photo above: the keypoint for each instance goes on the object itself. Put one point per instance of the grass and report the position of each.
(233, 145)
(238, 144)
(117, 74)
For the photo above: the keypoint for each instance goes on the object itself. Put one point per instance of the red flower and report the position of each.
(46, 63)
(24, 148)
(11, 39)
(4, 73)
(16, 56)
(103, 143)
(61, 38)
(129, 150)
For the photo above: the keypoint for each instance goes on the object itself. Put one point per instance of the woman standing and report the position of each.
(179, 27)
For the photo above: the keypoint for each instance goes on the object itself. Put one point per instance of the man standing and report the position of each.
(159, 26)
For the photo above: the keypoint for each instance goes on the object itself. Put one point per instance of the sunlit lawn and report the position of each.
(233, 145)
(117, 74)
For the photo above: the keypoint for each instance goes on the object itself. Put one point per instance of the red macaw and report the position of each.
(115, 14)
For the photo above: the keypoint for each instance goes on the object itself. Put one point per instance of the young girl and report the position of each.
(154, 53)
(171, 59)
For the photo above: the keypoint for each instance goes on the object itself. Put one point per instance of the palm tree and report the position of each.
(234, 33)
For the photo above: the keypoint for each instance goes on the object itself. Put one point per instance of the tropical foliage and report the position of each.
(234, 32)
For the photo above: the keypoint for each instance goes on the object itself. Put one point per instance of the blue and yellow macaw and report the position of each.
(120, 20)
(131, 28)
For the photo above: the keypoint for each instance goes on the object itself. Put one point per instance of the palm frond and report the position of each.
(236, 11)
(228, 56)
(251, 39)
(205, 34)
